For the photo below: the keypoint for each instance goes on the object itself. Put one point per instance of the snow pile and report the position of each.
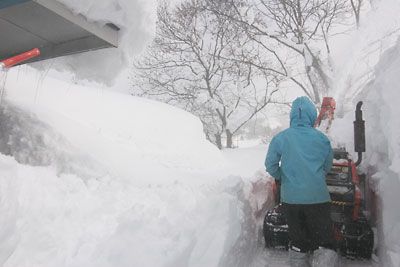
(382, 157)
(30, 141)
(356, 54)
(369, 61)
(383, 128)
(60, 220)
(136, 20)
(129, 136)
(95, 178)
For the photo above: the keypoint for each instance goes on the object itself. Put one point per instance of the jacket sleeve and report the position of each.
(273, 158)
(328, 160)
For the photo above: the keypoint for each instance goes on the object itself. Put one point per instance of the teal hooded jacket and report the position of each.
(300, 157)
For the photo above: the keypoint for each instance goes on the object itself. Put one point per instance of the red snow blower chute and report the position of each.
(348, 190)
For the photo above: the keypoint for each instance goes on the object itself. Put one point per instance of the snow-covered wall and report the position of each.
(369, 60)
(382, 158)
(90, 177)
(356, 53)
(382, 111)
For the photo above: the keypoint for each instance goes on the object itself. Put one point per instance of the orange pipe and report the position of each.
(9, 62)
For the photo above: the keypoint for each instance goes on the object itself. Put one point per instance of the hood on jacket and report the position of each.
(303, 112)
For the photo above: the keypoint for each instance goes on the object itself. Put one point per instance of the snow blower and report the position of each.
(347, 187)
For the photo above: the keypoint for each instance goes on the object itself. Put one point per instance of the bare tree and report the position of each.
(356, 7)
(297, 26)
(201, 63)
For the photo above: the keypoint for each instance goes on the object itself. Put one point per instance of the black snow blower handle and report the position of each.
(359, 133)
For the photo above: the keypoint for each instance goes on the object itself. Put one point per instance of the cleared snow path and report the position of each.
(256, 195)
(249, 249)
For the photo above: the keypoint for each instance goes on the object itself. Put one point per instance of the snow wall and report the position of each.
(382, 111)
(381, 161)
(369, 61)
(90, 177)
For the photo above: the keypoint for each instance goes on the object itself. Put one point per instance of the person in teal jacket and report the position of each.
(299, 158)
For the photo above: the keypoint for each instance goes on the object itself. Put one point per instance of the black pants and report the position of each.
(310, 226)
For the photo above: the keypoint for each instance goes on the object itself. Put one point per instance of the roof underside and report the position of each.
(51, 27)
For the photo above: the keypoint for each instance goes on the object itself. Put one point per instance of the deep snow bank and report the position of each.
(105, 179)
(382, 158)
(30, 141)
(60, 220)
(383, 127)
(131, 137)
(356, 54)
(369, 61)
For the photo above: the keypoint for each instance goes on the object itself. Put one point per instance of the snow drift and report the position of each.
(125, 134)
(369, 61)
(94, 178)
(383, 128)
(355, 55)
(60, 220)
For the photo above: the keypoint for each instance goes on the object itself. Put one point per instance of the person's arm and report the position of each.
(328, 160)
(273, 158)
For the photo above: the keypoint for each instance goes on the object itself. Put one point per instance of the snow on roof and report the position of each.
(136, 21)
(51, 27)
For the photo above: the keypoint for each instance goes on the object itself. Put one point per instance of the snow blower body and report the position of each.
(347, 187)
